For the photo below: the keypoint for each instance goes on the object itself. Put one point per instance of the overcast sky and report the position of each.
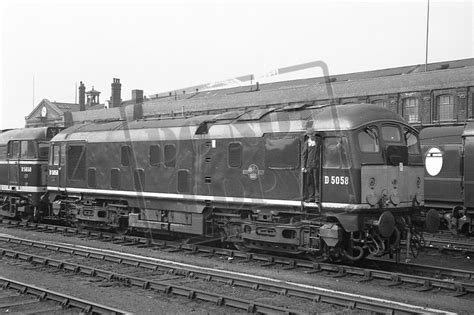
(164, 45)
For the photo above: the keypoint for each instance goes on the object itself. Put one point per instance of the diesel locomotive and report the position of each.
(449, 174)
(23, 171)
(237, 175)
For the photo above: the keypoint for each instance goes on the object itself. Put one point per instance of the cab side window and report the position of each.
(14, 149)
(369, 140)
(335, 153)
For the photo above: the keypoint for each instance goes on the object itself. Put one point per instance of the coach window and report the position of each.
(369, 140)
(235, 154)
(282, 152)
(445, 107)
(155, 155)
(335, 153)
(170, 155)
(410, 109)
(391, 133)
(126, 155)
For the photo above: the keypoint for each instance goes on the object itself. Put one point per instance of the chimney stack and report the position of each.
(115, 100)
(137, 96)
(82, 97)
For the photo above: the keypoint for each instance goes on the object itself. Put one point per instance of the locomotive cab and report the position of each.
(23, 171)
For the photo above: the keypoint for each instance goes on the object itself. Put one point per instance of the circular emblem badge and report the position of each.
(434, 161)
(253, 172)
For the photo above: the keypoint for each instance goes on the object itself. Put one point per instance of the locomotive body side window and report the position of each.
(369, 140)
(170, 155)
(139, 179)
(390, 133)
(76, 162)
(155, 155)
(126, 155)
(335, 153)
(115, 178)
(235, 154)
(282, 152)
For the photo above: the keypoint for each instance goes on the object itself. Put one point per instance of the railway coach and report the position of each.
(238, 175)
(449, 174)
(23, 171)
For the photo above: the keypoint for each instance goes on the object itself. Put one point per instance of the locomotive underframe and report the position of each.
(20, 205)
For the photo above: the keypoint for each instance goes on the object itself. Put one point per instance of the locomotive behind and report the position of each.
(23, 171)
(449, 174)
(237, 175)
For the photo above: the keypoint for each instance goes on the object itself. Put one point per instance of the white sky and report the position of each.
(164, 45)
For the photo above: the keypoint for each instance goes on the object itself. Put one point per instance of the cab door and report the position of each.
(13, 163)
(57, 166)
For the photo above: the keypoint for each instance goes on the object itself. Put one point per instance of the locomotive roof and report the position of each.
(441, 134)
(39, 133)
(252, 123)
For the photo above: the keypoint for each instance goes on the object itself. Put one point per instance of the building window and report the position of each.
(410, 110)
(445, 107)
(382, 103)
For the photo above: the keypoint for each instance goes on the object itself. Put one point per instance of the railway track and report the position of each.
(180, 279)
(22, 298)
(416, 277)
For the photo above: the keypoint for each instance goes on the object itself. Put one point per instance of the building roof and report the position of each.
(280, 95)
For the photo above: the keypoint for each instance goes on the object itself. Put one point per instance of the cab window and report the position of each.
(28, 149)
(412, 142)
(14, 149)
(390, 133)
(43, 150)
(335, 153)
(369, 140)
